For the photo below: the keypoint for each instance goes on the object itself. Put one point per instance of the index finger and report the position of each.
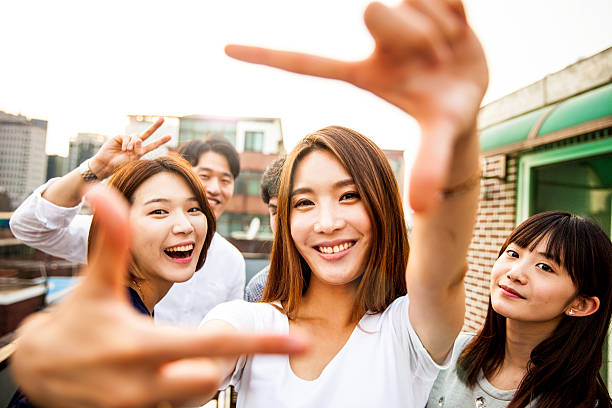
(152, 129)
(297, 62)
(175, 345)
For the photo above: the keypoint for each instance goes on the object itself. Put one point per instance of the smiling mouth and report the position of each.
(212, 201)
(511, 291)
(334, 249)
(180, 251)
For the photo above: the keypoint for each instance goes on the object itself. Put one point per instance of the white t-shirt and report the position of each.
(63, 232)
(382, 364)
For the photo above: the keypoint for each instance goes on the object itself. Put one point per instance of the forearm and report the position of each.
(59, 231)
(67, 191)
(441, 237)
(437, 264)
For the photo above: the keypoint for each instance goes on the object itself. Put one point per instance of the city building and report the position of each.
(545, 147)
(57, 166)
(23, 161)
(83, 147)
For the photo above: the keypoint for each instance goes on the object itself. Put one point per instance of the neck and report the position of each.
(321, 298)
(522, 338)
(150, 291)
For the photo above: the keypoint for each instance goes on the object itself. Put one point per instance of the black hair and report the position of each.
(270, 180)
(192, 150)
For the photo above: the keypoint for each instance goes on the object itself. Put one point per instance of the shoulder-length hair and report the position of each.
(132, 175)
(384, 276)
(563, 370)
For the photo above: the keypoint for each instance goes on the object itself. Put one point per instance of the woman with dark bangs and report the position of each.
(543, 338)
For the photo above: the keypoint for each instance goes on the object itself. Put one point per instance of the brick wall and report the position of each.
(494, 222)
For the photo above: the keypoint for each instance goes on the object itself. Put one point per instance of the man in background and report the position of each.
(270, 183)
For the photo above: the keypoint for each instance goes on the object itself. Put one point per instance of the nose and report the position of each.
(182, 224)
(329, 219)
(517, 273)
(212, 186)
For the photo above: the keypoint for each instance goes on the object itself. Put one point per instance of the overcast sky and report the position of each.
(85, 65)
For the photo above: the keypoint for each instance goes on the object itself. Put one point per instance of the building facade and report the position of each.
(83, 147)
(57, 166)
(23, 161)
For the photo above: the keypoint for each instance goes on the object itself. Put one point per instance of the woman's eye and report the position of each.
(349, 196)
(512, 253)
(302, 203)
(195, 210)
(545, 267)
(158, 212)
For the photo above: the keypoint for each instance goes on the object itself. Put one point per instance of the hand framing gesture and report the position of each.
(427, 61)
(94, 350)
(123, 149)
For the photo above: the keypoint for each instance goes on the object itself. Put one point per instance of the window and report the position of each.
(253, 141)
(253, 187)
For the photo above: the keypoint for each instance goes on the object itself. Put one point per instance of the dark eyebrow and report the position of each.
(165, 200)
(547, 256)
(339, 184)
(157, 200)
(226, 174)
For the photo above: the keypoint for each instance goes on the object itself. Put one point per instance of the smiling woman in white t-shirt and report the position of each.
(380, 323)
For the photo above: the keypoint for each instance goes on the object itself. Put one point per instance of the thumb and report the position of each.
(110, 235)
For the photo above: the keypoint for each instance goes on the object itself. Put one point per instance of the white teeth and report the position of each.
(181, 248)
(335, 248)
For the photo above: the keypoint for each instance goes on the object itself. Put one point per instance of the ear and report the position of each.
(583, 306)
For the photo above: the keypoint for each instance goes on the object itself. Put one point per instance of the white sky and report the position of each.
(85, 65)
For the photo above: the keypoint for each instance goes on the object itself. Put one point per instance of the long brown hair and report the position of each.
(129, 177)
(384, 276)
(563, 370)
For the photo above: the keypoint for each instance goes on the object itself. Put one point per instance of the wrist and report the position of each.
(86, 172)
(97, 168)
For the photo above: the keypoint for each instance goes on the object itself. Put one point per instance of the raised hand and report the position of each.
(94, 350)
(427, 61)
(122, 149)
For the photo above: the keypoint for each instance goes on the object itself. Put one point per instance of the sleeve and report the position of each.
(419, 358)
(237, 313)
(58, 231)
(255, 287)
(239, 316)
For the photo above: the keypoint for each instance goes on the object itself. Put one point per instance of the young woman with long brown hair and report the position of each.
(380, 323)
(542, 343)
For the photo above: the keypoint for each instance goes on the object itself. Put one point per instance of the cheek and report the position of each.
(200, 226)
(147, 234)
(496, 274)
(299, 229)
(559, 293)
(228, 191)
